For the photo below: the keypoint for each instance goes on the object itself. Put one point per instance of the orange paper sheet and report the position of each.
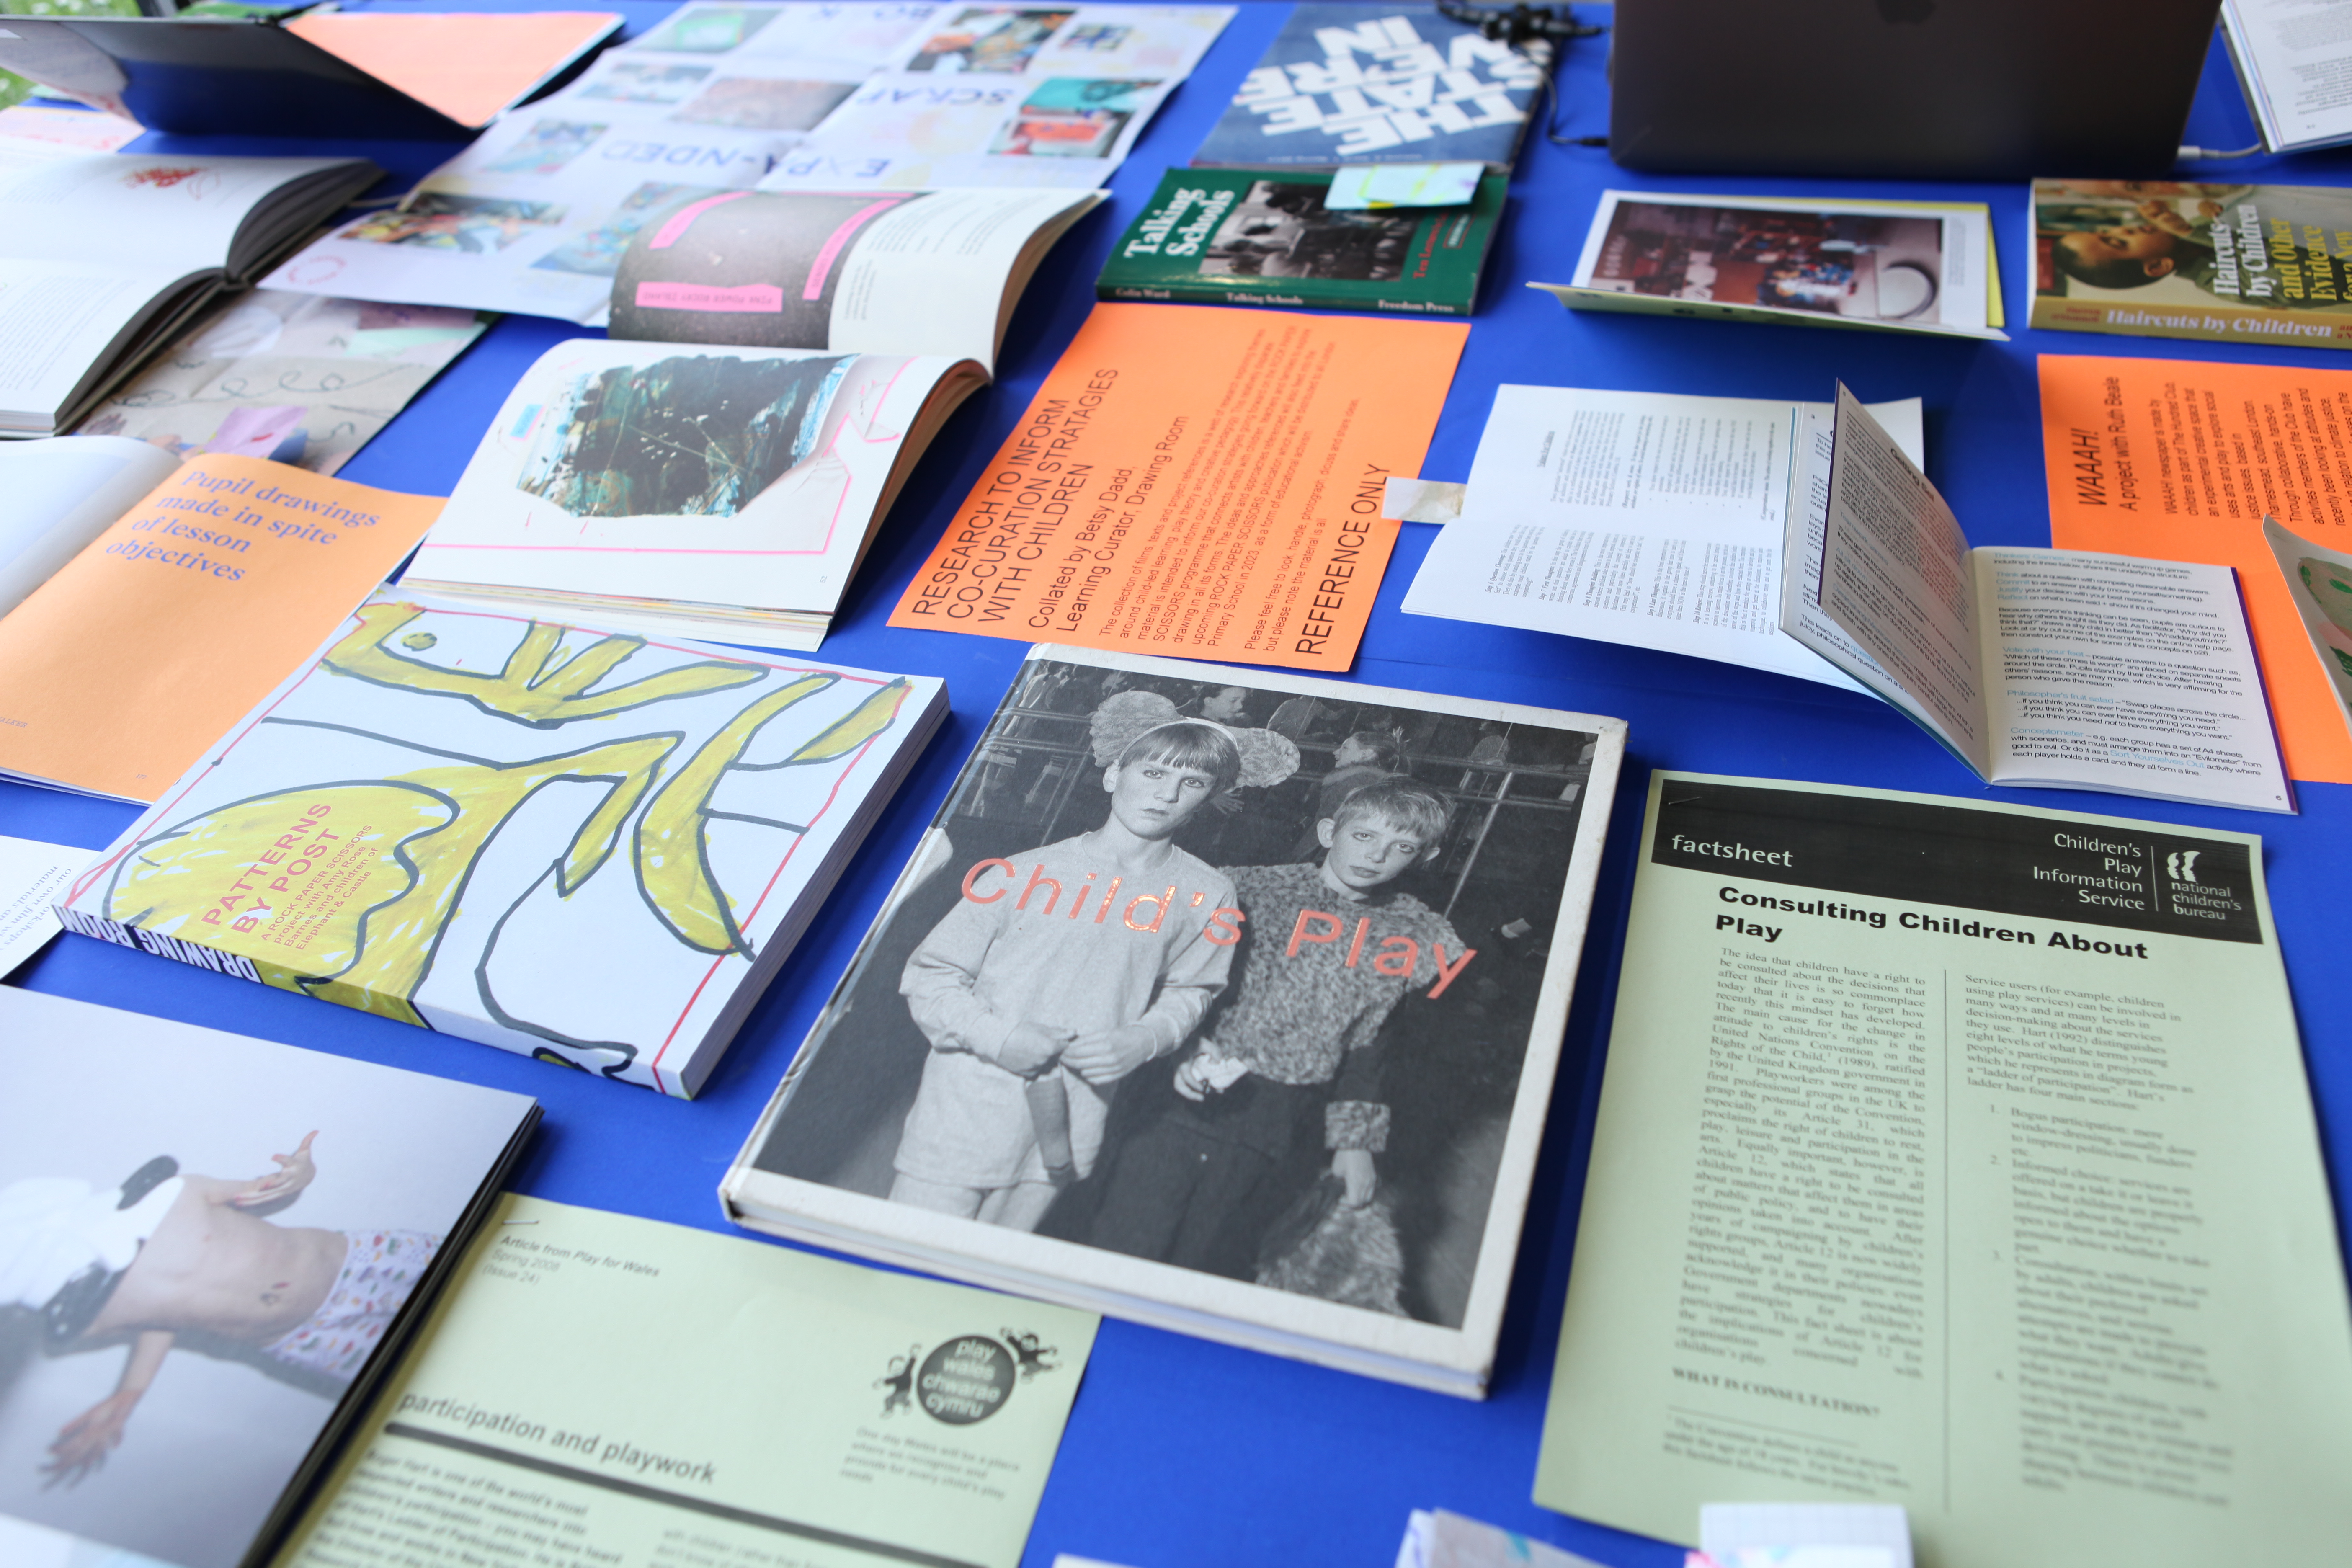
(143, 650)
(469, 66)
(2178, 460)
(1199, 482)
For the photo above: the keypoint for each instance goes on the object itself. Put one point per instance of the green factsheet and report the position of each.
(598, 1390)
(1960, 1156)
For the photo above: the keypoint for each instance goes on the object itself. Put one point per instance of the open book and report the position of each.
(2059, 668)
(106, 256)
(896, 272)
(681, 490)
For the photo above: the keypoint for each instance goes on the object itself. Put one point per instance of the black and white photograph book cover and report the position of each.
(210, 1245)
(1222, 1000)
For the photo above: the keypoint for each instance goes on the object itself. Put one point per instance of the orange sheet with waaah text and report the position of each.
(2178, 460)
(1199, 482)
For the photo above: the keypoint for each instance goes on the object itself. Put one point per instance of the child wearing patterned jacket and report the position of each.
(1326, 952)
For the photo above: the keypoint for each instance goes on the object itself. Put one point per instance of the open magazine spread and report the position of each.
(1223, 1001)
(1958, 1155)
(106, 253)
(835, 1416)
(218, 1245)
(933, 272)
(874, 95)
(686, 490)
(567, 842)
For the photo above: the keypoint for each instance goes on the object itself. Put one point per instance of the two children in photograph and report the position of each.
(1245, 1005)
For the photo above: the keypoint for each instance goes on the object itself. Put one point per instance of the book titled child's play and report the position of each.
(1265, 236)
(1219, 1000)
(1377, 84)
(2241, 264)
(585, 846)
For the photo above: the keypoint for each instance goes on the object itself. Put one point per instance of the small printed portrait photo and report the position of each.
(1841, 264)
(545, 148)
(1072, 117)
(442, 220)
(194, 1267)
(708, 30)
(1223, 977)
(1001, 40)
(756, 103)
(644, 82)
(1281, 229)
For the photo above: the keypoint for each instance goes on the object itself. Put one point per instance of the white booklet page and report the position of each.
(1647, 519)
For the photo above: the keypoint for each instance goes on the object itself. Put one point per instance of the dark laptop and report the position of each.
(1959, 90)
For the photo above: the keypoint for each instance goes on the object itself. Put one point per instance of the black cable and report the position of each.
(1533, 33)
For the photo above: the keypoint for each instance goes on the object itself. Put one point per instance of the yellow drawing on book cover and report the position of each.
(417, 864)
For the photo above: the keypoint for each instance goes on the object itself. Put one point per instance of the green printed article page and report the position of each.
(1957, 1155)
(597, 1391)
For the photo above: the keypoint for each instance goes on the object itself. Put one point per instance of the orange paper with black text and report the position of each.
(142, 651)
(2178, 460)
(1200, 482)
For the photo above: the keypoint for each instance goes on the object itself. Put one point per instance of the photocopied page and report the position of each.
(1641, 518)
(773, 1410)
(2124, 674)
(1896, 579)
(1959, 1156)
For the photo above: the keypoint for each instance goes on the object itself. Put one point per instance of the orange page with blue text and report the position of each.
(142, 651)
(1200, 482)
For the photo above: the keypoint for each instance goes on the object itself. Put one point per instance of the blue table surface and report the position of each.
(1179, 1451)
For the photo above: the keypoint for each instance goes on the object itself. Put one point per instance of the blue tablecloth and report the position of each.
(1184, 1453)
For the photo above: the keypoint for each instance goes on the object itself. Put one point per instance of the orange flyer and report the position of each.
(142, 651)
(1197, 481)
(2178, 460)
(469, 66)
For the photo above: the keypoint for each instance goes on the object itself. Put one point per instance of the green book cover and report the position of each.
(1261, 237)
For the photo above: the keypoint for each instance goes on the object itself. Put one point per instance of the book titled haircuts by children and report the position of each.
(1225, 1002)
(212, 1249)
(2160, 259)
(588, 847)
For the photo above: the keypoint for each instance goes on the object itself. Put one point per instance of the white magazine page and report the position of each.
(112, 206)
(1640, 518)
(533, 216)
(578, 487)
(848, 271)
(57, 319)
(1829, 248)
(1163, 42)
(2293, 57)
(929, 276)
(2118, 673)
(915, 129)
(1896, 579)
(32, 875)
(1809, 516)
(63, 493)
